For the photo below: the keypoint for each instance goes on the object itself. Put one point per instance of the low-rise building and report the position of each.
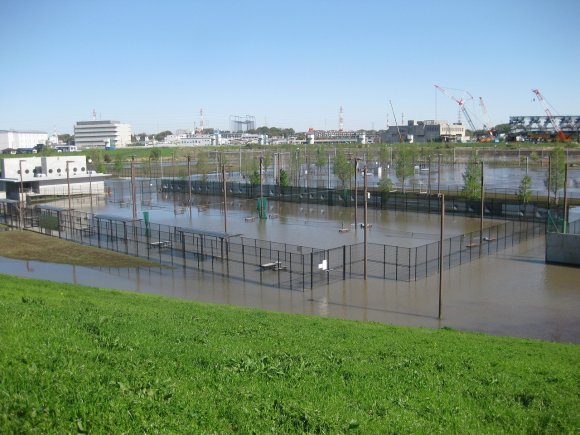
(47, 176)
(425, 131)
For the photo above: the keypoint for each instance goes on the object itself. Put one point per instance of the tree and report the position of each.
(342, 168)
(405, 164)
(557, 168)
(160, 137)
(525, 191)
(284, 180)
(472, 179)
(202, 165)
(385, 184)
(155, 154)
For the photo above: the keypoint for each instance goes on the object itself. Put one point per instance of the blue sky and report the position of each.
(289, 64)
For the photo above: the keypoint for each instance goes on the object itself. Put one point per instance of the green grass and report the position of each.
(74, 358)
(28, 245)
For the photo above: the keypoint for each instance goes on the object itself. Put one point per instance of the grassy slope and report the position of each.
(77, 358)
(28, 245)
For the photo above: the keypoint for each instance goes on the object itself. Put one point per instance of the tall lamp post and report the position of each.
(68, 182)
(20, 195)
(68, 192)
(89, 161)
(366, 245)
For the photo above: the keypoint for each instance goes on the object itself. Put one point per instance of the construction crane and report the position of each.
(461, 102)
(560, 134)
(397, 125)
(487, 124)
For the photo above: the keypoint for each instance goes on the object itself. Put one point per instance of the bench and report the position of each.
(162, 244)
(250, 219)
(275, 265)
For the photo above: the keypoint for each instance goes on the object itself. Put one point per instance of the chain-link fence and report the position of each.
(263, 262)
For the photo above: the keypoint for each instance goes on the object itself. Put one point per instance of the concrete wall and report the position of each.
(563, 249)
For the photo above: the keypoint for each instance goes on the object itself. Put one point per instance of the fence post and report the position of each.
(311, 271)
(343, 262)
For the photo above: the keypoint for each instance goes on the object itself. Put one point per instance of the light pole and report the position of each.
(439, 173)
(89, 161)
(481, 216)
(365, 224)
(133, 189)
(261, 207)
(68, 183)
(20, 195)
(225, 198)
(442, 225)
(68, 192)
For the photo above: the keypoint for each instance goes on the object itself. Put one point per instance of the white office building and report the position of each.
(21, 139)
(102, 134)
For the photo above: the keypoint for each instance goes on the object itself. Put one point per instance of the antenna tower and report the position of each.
(94, 115)
(201, 126)
(340, 120)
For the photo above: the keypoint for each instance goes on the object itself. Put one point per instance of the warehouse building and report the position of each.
(13, 139)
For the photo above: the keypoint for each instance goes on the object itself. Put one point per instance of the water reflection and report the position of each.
(512, 293)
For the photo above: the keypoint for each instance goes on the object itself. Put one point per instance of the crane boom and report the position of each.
(488, 125)
(461, 103)
(561, 135)
(396, 124)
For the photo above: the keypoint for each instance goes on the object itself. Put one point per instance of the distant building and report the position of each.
(335, 136)
(425, 131)
(48, 176)
(541, 127)
(21, 139)
(102, 134)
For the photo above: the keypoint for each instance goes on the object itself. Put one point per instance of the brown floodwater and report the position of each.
(512, 293)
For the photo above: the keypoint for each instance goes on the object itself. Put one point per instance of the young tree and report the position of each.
(385, 184)
(472, 179)
(405, 164)
(342, 168)
(284, 180)
(556, 172)
(202, 165)
(525, 191)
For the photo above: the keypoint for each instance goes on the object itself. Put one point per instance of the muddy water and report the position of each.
(513, 293)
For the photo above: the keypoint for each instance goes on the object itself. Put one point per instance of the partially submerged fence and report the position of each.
(495, 208)
(262, 262)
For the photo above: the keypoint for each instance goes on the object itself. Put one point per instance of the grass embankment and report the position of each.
(28, 245)
(77, 358)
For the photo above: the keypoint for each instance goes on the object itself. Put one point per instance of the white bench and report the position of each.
(275, 265)
(162, 244)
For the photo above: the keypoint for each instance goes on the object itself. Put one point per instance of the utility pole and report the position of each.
(89, 161)
(481, 216)
(68, 193)
(225, 198)
(442, 225)
(189, 181)
(355, 193)
(261, 207)
(21, 194)
(439, 174)
(366, 245)
(133, 188)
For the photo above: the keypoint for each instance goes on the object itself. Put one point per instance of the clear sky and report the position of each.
(288, 63)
